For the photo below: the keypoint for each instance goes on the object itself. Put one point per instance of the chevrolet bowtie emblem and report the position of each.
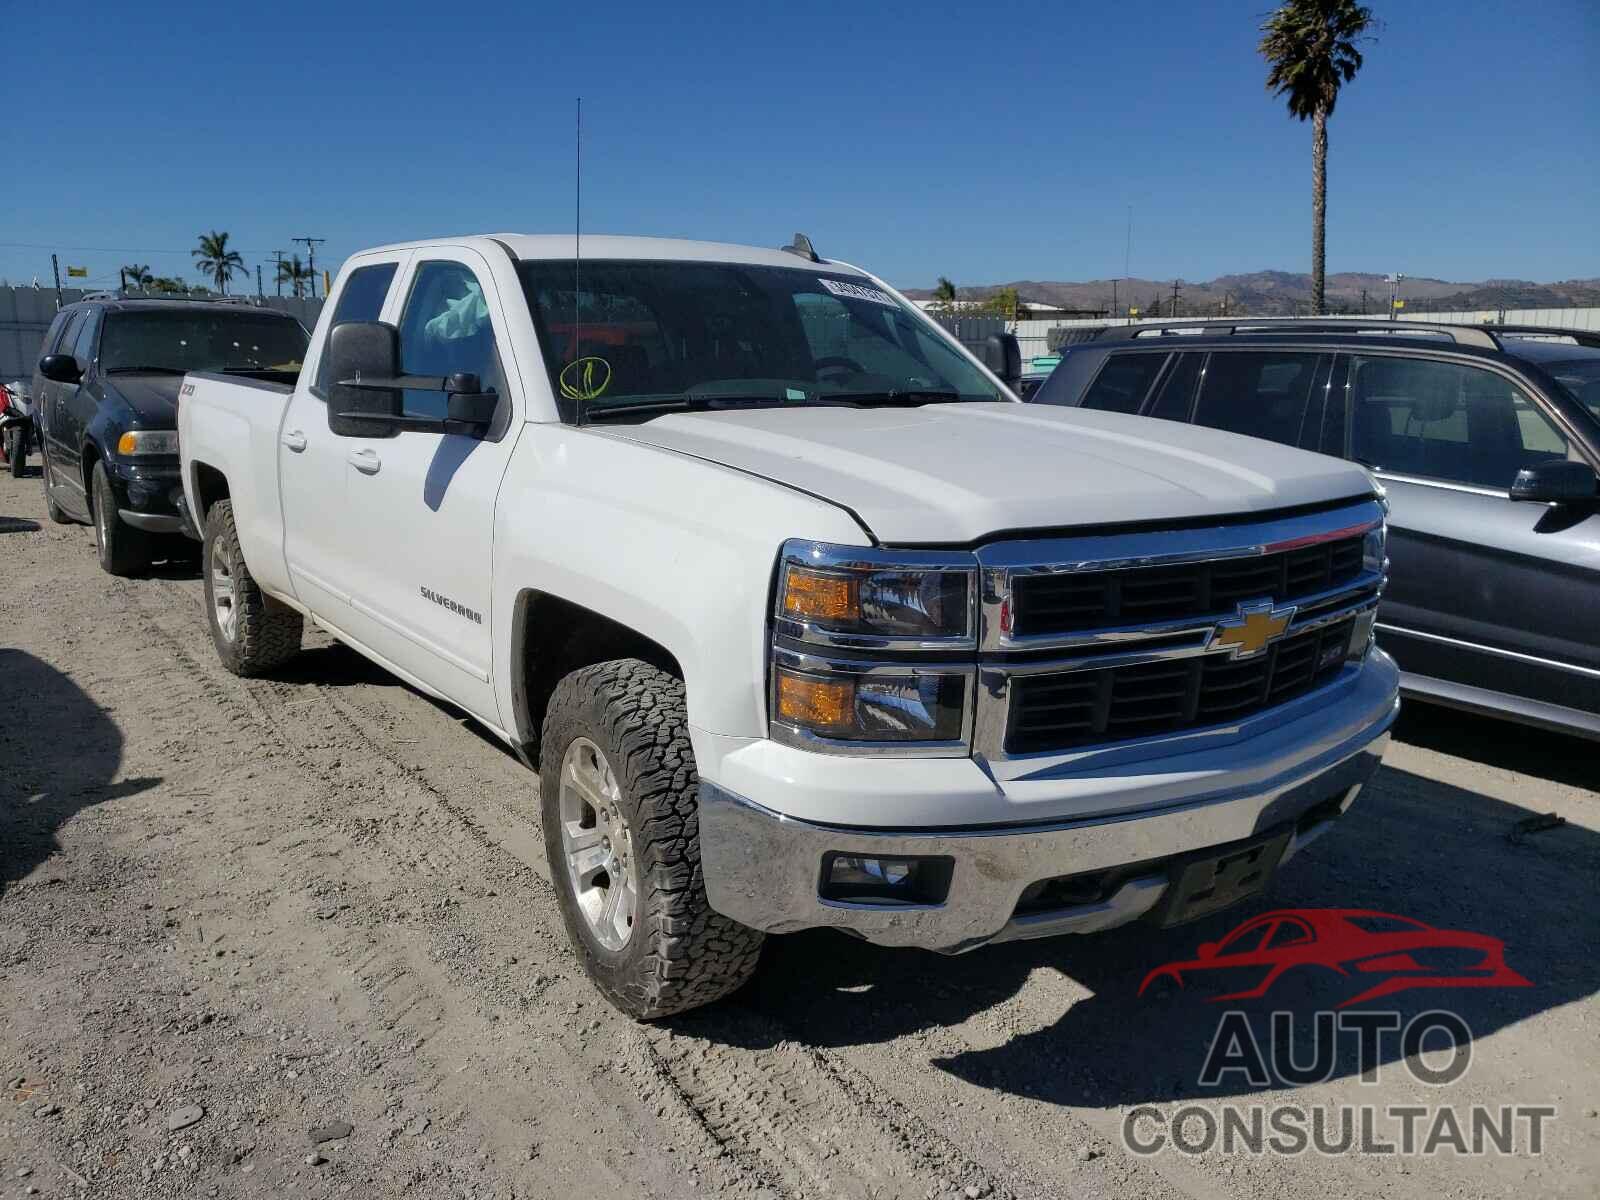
(1256, 626)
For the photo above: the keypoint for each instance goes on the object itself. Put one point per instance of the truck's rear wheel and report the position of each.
(123, 550)
(253, 632)
(619, 793)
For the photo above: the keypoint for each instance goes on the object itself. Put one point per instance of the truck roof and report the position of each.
(537, 246)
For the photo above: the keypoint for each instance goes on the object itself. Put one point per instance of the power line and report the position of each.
(111, 249)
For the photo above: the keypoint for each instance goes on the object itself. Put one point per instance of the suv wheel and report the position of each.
(619, 794)
(253, 633)
(123, 549)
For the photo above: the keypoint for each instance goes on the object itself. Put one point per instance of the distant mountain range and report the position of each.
(1273, 293)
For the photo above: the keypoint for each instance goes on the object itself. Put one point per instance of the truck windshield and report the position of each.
(174, 340)
(646, 336)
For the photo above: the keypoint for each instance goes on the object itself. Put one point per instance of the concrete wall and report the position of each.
(25, 314)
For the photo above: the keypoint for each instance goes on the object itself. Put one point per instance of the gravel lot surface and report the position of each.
(297, 936)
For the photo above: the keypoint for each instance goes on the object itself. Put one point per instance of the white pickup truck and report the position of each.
(802, 619)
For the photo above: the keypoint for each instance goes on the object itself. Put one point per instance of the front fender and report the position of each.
(677, 549)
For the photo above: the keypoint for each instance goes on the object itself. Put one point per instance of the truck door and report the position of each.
(63, 475)
(312, 459)
(421, 503)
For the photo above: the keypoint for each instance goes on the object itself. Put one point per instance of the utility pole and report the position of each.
(1113, 297)
(1363, 302)
(122, 274)
(1394, 291)
(55, 265)
(259, 293)
(1175, 285)
(311, 259)
(277, 269)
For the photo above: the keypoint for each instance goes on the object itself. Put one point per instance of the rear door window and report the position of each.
(83, 347)
(1124, 382)
(1260, 393)
(1175, 398)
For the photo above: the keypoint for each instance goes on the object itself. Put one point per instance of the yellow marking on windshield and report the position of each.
(578, 378)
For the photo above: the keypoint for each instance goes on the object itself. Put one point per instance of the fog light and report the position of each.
(863, 879)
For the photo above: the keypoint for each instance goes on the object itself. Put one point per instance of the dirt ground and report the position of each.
(233, 913)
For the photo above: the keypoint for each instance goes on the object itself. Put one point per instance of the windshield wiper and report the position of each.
(910, 396)
(147, 370)
(600, 412)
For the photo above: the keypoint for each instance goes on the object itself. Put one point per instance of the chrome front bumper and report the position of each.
(764, 869)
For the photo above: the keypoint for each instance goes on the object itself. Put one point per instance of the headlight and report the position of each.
(819, 703)
(1375, 550)
(850, 596)
(148, 441)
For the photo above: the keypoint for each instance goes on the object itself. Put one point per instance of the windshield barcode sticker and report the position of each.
(854, 291)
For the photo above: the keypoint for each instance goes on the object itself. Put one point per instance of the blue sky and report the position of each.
(984, 142)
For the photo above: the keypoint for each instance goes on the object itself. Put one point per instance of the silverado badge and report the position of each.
(1256, 626)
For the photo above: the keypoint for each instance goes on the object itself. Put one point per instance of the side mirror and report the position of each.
(466, 403)
(60, 368)
(1556, 482)
(1003, 355)
(363, 362)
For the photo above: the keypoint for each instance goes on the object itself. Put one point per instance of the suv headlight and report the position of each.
(882, 616)
(851, 596)
(148, 441)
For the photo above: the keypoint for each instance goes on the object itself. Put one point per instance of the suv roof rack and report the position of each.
(1583, 337)
(123, 296)
(1462, 335)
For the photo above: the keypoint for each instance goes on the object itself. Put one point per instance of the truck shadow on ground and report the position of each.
(1412, 846)
(61, 752)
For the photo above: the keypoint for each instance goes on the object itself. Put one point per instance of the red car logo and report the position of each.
(1352, 942)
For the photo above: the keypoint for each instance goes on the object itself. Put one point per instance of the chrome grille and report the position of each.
(1082, 707)
(1082, 600)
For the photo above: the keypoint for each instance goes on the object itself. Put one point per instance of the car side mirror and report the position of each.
(1002, 354)
(1556, 482)
(363, 363)
(60, 368)
(1208, 949)
(466, 403)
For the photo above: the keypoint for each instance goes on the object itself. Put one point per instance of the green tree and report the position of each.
(168, 284)
(1002, 304)
(295, 273)
(944, 295)
(1310, 48)
(137, 275)
(213, 257)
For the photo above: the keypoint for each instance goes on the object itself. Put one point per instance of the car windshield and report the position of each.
(176, 340)
(644, 337)
(1581, 377)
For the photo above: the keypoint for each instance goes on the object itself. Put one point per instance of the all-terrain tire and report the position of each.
(263, 633)
(17, 450)
(57, 513)
(680, 953)
(123, 550)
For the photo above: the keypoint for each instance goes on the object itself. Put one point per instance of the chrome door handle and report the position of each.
(295, 440)
(365, 461)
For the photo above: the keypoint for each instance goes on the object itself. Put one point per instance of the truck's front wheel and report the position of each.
(253, 632)
(619, 793)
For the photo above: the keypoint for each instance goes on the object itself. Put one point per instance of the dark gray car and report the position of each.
(1488, 444)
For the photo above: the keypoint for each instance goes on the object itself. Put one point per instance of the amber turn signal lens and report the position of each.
(815, 703)
(127, 444)
(812, 596)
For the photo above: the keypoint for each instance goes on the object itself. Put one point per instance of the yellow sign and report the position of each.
(1252, 630)
(1399, 303)
(581, 379)
(1133, 312)
(77, 272)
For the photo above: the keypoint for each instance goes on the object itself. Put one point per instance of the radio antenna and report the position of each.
(577, 258)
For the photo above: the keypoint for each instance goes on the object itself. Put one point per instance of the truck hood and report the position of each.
(955, 473)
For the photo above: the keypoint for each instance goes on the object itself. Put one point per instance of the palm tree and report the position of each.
(165, 283)
(1310, 48)
(137, 276)
(293, 272)
(214, 258)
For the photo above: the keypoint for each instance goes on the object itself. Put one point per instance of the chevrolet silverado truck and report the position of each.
(801, 617)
